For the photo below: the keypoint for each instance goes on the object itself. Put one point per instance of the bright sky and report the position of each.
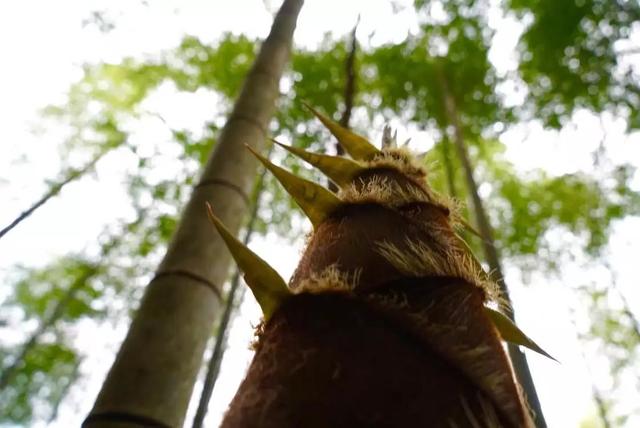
(42, 46)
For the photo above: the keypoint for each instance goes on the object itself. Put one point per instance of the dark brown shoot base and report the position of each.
(331, 361)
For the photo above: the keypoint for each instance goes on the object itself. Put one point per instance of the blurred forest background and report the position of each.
(546, 94)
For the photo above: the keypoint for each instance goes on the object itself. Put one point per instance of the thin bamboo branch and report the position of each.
(72, 378)
(629, 51)
(351, 82)
(598, 399)
(57, 311)
(47, 323)
(349, 92)
(53, 191)
(626, 308)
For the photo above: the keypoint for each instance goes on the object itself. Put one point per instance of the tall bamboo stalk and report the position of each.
(518, 359)
(234, 296)
(152, 378)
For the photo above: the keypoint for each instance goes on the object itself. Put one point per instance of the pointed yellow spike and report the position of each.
(340, 170)
(357, 147)
(316, 201)
(511, 333)
(267, 286)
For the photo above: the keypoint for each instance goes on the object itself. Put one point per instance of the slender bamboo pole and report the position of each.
(234, 296)
(626, 308)
(152, 378)
(51, 317)
(53, 191)
(518, 359)
(598, 399)
(349, 92)
(350, 83)
(49, 320)
(70, 382)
